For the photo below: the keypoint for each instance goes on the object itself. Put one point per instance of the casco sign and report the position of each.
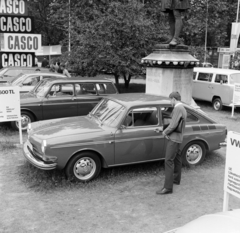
(16, 24)
(17, 42)
(17, 59)
(16, 7)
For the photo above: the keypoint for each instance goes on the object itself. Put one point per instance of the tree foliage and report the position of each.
(113, 35)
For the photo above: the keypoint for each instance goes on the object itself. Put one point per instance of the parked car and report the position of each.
(7, 74)
(56, 98)
(215, 85)
(223, 222)
(27, 82)
(122, 129)
(206, 64)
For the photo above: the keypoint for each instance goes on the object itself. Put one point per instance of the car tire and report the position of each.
(217, 104)
(193, 153)
(83, 167)
(27, 118)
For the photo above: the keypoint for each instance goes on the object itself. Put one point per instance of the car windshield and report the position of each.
(108, 112)
(234, 78)
(17, 79)
(42, 88)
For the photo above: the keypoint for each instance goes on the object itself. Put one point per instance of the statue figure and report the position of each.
(175, 9)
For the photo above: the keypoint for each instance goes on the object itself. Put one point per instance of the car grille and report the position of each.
(35, 152)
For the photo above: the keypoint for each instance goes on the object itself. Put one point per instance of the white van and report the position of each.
(215, 85)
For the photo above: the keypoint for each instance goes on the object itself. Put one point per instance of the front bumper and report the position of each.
(34, 161)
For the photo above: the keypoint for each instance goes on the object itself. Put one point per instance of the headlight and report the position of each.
(43, 147)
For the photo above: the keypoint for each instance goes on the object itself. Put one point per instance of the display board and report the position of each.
(9, 103)
(232, 168)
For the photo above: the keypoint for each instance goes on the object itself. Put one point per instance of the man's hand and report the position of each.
(165, 135)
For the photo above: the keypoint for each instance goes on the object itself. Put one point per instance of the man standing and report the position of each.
(45, 63)
(174, 134)
(175, 8)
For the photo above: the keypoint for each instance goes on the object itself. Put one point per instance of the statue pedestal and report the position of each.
(168, 70)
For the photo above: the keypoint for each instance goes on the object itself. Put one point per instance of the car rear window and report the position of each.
(12, 73)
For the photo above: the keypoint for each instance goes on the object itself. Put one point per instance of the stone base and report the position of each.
(163, 81)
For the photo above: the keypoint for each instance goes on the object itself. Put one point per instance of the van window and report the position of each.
(205, 77)
(105, 88)
(220, 78)
(234, 78)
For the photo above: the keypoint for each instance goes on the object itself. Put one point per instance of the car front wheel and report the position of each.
(193, 153)
(27, 118)
(83, 167)
(217, 104)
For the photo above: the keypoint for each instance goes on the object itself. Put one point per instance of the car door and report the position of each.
(221, 88)
(140, 137)
(60, 102)
(202, 86)
(86, 97)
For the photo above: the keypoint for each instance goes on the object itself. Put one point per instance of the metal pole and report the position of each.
(237, 11)
(206, 28)
(69, 25)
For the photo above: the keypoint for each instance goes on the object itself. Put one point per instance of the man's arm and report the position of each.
(174, 122)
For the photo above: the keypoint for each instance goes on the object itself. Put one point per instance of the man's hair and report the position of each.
(175, 95)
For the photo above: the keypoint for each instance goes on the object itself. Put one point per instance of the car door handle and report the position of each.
(157, 130)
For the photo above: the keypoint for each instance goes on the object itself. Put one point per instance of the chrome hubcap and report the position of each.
(217, 105)
(194, 154)
(84, 168)
(25, 121)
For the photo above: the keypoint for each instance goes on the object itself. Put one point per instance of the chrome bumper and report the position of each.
(35, 162)
(223, 144)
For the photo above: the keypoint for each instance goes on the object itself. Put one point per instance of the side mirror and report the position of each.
(21, 85)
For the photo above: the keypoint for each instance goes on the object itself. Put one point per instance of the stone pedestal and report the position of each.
(170, 70)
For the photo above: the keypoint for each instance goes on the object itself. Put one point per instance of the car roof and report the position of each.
(45, 72)
(215, 70)
(84, 79)
(139, 99)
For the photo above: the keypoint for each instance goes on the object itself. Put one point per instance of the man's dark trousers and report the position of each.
(173, 164)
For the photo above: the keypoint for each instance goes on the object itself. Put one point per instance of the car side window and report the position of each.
(221, 78)
(205, 77)
(105, 88)
(61, 90)
(85, 89)
(191, 117)
(138, 117)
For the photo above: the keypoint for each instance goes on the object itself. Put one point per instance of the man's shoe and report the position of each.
(164, 191)
(176, 182)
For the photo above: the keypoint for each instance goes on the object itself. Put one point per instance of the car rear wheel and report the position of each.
(193, 153)
(217, 104)
(83, 167)
(27, 118)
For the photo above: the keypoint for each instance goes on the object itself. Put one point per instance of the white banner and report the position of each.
(18, 42)
(9, 103)
(232, 168)
(234, 36)
(236, 94)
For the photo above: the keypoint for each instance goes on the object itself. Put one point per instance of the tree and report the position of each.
(111, 36)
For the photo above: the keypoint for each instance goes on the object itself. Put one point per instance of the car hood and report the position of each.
(64, 127)
(221, 223)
